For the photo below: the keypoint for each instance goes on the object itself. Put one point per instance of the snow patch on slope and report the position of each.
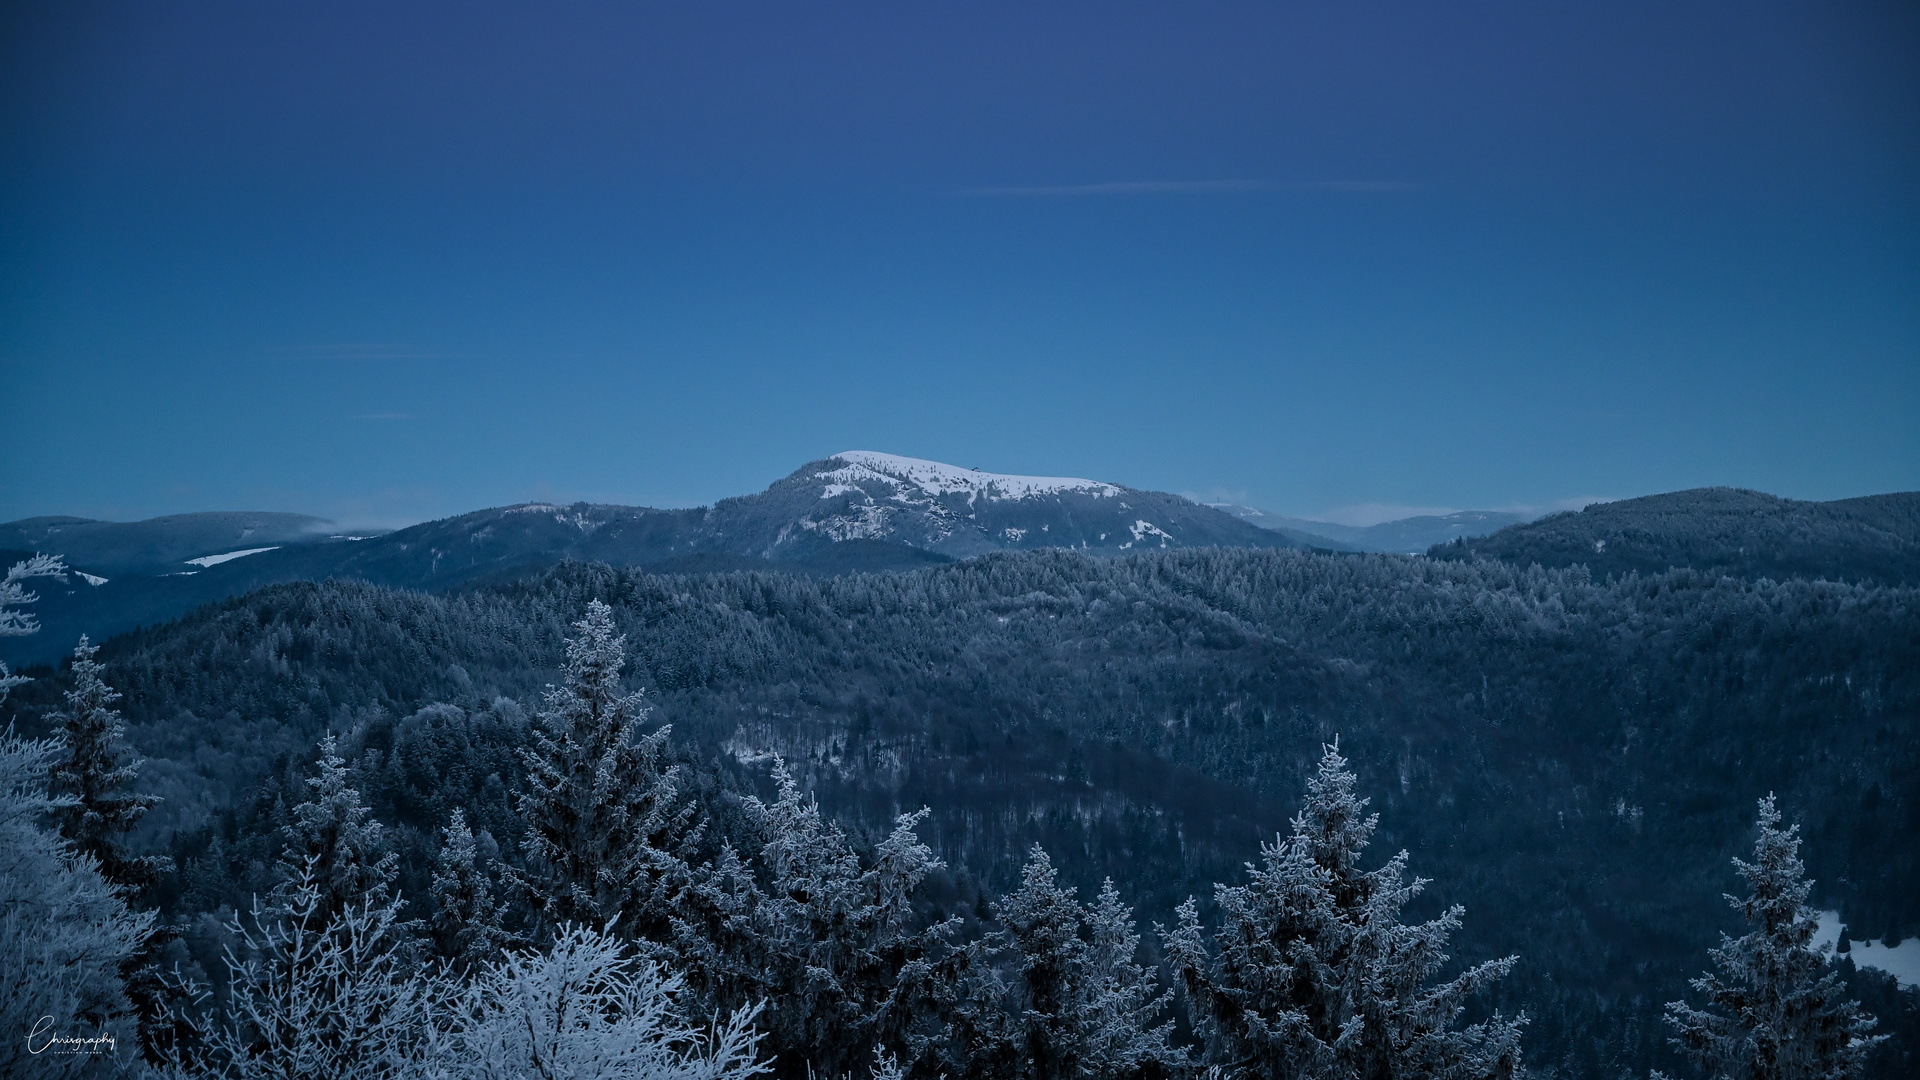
(869, 521)
(216, 560)
(937, 478)
(1143, 529)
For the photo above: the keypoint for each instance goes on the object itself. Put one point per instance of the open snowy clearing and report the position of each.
(1901, 961)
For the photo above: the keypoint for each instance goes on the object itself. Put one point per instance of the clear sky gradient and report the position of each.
(386, 262)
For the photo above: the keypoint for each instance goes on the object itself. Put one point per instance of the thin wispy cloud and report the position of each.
(364, 352)
(1365, 514)
(1354, 185)
(1130, 187)
(1184, 187)
(1216, 496)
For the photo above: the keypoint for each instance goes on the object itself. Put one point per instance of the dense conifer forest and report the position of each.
(1096, 743)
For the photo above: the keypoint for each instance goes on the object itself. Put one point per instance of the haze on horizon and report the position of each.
(387, 265)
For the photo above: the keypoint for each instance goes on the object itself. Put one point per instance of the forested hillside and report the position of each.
(1723, 530)
(1573, 758)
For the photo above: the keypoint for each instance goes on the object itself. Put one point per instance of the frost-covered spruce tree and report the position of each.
(1312, 974)
(1123, 999)
(607, 828)
(1041, 929)
(1782, 1014)
(65, 931)
(334, 840)
(466, 921)
(95, 770)
(835, 942)
(95, 773)
(1073, 999)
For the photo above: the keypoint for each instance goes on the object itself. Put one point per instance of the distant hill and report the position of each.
(1404, 536)
(857, 511)
(1725, 530)
(158, 545)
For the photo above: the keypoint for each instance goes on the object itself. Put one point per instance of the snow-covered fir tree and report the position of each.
(466, 919)
(607, 827)
(834, 942)
(97, 772)
(65, 931)
(67, 938)
(1782, 1014)
(335, 841)
(1312, 974)
(323, 983)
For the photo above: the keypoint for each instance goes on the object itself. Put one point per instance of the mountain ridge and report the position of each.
(849, 512)
(865, 511)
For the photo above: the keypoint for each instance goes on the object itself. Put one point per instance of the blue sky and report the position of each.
(384, 265)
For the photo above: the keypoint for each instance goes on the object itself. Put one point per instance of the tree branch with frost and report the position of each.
(591, 1006)
(13, 596)
(315, 992)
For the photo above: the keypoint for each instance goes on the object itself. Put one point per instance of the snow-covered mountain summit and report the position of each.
(938, 478)
(866, 495)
